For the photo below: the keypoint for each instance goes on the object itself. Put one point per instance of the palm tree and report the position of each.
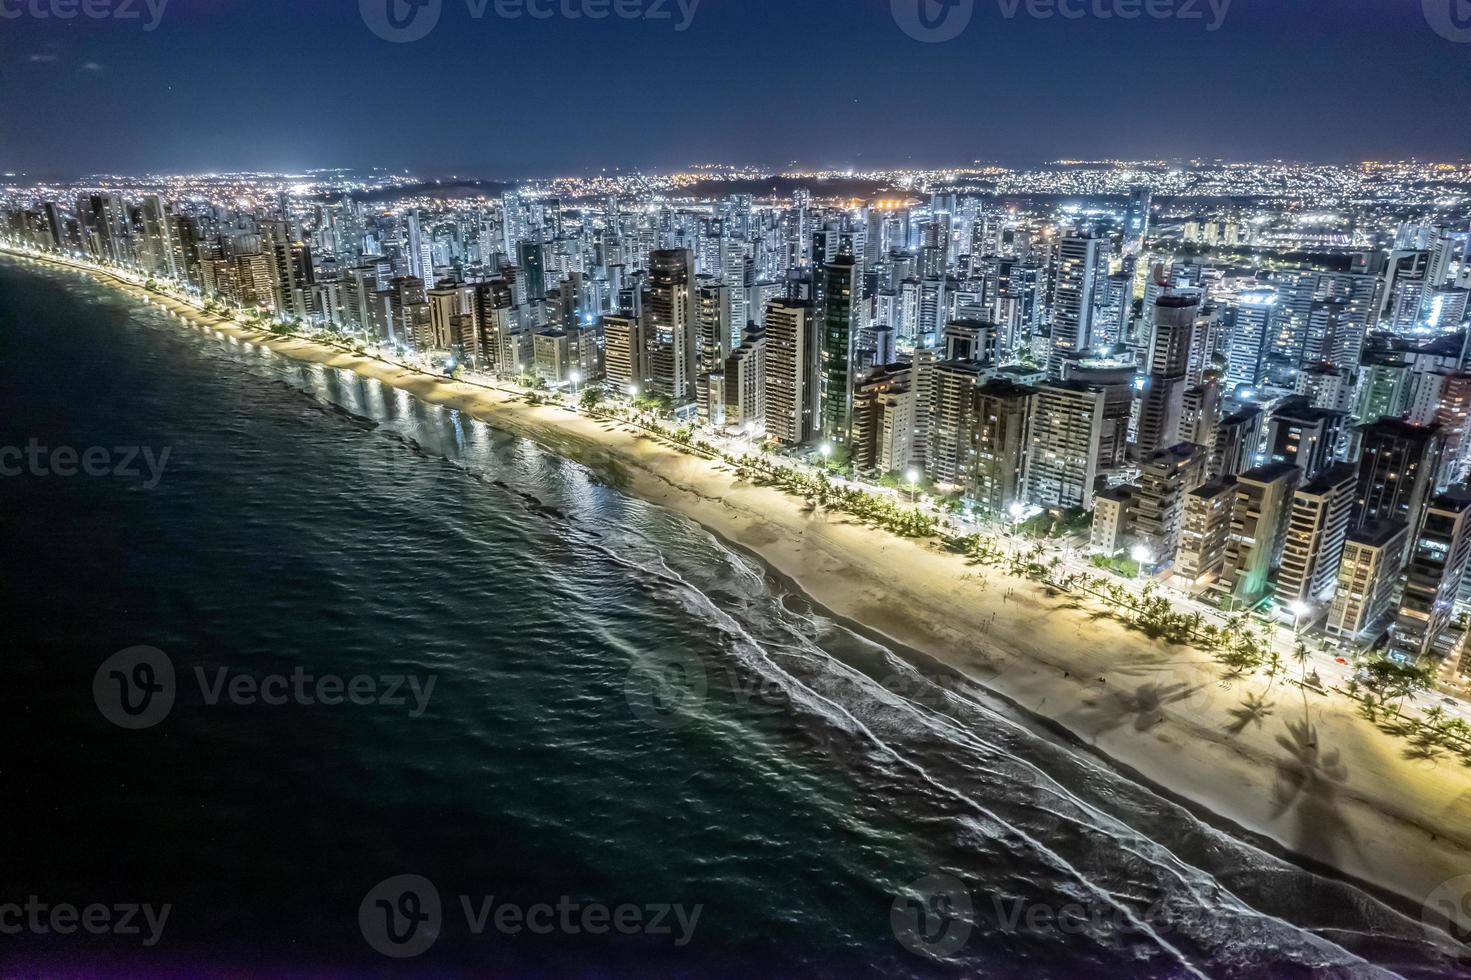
(1300, 654)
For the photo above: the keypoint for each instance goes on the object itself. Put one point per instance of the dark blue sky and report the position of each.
(291, 84)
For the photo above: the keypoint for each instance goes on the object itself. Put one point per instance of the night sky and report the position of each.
(293, 84)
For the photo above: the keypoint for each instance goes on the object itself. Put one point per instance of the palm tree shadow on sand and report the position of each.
(1305, 794)
(1253, 710)
(1143, 707)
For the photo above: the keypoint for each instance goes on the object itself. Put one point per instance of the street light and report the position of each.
(1018, 511)
(913, 477)
(576, 380)
(1142, 556)
(1298, 610)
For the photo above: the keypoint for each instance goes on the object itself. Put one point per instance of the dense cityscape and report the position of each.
(1251, 380)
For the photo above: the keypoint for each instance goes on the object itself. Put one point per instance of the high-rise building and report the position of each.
(1453, 413)
(1165, 479)
(839, 306)
(671, 326)
(103, 224)
(1237, 438)
(533, 269)
(1082, 266)
(623, 354)
(1167, 374)
(158, 237)
(953, 420)
(1003, 436)
(1111, 509)
(446, 303)
(1067, 428)
(1326, 386)
(793, 358)
(1334, 335)
(1322, 512)
(1251, 323)
(1200, 416)
(1383, 387)
(1205, 528)
(1398, 465)
(745, 383)
(1433, 577)
(1137, 218)
(1115, 377)
(713, 326)
(883, 421)
(1307, 437)
(1259, 516)
(1367, 577)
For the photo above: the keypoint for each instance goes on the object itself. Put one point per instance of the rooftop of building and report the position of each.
(1006, 388)
(1400, 427)
(1333, 476)
(1270, 473)
(1176, 455)
(1377, 534)
(1080, 387)
(1242, 415)
(1119, 495)
(1299, 409)
(1213, 489)
(1177, 301)
(1454, 499)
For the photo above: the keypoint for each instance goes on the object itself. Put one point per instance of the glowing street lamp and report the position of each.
(1142, 556)
(827, 452)
(576, 380)
(913, 477)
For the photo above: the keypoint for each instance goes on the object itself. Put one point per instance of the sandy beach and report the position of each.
(1307, 771)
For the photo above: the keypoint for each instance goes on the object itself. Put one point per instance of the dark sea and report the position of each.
(350, 685)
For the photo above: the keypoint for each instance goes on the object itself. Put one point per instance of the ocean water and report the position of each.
(625, 712)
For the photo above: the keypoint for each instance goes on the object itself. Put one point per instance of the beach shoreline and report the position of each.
(1304, 772)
